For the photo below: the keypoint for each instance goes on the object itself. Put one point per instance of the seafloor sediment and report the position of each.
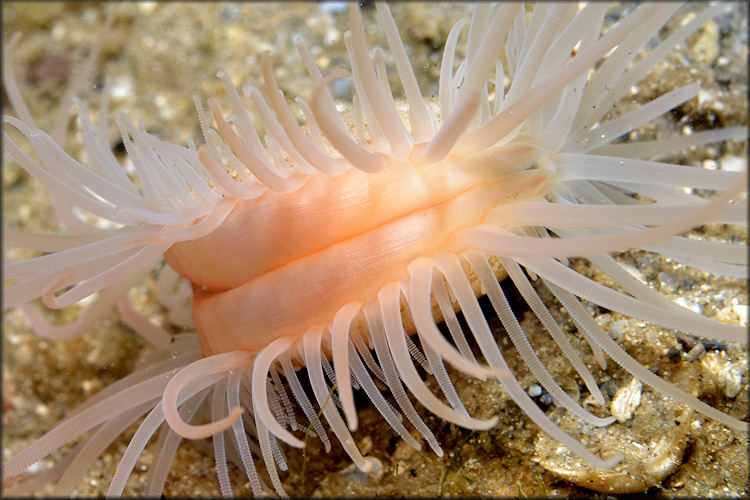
(157, 55)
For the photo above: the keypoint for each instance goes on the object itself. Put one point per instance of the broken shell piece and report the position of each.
(653, 444)
(733, 381)
(696, 352)
(667, 456)
(729, 375)
(626, 400)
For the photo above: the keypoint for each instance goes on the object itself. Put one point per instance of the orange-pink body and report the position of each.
(284, 262)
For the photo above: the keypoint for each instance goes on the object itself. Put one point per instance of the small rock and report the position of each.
(732, 163)
(742, 311)
(667, 280)
(626, 401)
(695, 353)
(674, 355)
(404, 451)
(535, 390)
(729, 375)
(706, 47)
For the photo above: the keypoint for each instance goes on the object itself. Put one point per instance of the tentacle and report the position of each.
(531, 297)
(570, 280)
(136, 446)
(391, 416)
(375, 324)
(508, 245)
(94, 447)
(420, 272)
(238, 429)
(446, 70)
(399, 139)
(419, 119)
(618, 354)
(304, 401)
(518, 337)
(515, 114)
(262, 365)
(311, 342)
(316, 157)
(469, 96)
(69, 429)
(218, 403)
(340, 346)
(451, 268)
(262, 170)
(342, 139)
(389, 297)
(211, 365)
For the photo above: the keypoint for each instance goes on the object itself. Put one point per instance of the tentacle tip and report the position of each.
(248, 90)
(481, 424)
(492, 422)
(353, 423)
(418, 152)
(297, 443)
(386, 160)
(613, 461)
(598, 399)
(7, 481)
(607, 421)
(48, 297)
(366, 465)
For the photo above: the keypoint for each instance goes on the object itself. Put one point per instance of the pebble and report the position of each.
(674, 355)
(546, 399)
(667, 280)
(714, 345)
(535, 390)
(729, 375)
(333, 7)
(618, 328)
(741, 310)
(690, 304)
(626, 400)
(706, 46)
(732, 163)
(404, 451)
(695, 353)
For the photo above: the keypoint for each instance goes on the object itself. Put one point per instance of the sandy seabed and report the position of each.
(157, 56)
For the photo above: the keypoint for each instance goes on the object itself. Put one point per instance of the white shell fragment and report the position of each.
(741, 310)
(728, 375)
(626, 400)
(696, 352)
(653, 444)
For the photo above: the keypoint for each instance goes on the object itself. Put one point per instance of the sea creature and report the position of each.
(324, 236)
